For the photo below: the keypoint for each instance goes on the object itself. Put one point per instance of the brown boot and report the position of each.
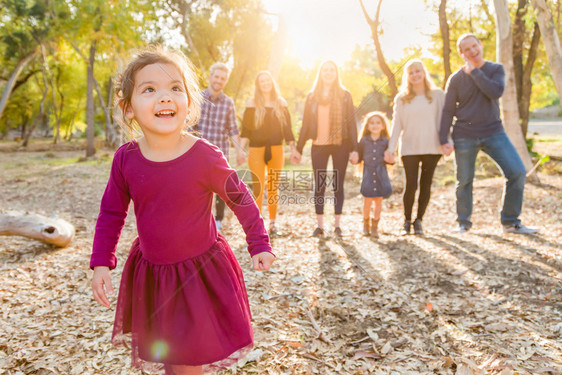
(366, 227)
(374, 228)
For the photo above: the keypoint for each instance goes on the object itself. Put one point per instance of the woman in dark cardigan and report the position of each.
(329, 120)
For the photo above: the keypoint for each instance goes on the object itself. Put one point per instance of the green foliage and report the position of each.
(236, 32)
(23, 24)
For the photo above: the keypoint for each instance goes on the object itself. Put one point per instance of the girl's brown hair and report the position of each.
(259, 101)
(407, 89)
(365, 125)
(125, 83)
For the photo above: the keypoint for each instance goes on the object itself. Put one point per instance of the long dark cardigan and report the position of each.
(310, 122)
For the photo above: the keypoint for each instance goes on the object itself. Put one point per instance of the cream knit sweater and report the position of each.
(416, 125)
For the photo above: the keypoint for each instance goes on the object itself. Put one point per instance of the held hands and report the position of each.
(295, 157)
(262, 261)
(388, 157)
(447, 149)
(102, 278)
(354, 157)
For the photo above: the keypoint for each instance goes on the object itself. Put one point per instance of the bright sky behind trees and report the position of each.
(319, 29)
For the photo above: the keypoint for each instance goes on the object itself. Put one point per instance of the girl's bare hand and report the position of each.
(263, 261)
(100, 283)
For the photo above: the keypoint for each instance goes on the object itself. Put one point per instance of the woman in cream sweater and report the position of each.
(415, 123)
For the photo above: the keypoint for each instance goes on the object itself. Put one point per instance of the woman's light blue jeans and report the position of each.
(501, 150)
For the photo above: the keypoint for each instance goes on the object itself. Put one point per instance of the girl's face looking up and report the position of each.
(159, 102)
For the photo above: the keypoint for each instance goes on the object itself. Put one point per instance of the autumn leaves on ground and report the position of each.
(478, 303)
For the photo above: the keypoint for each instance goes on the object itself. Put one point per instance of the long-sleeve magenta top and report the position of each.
(173, 205)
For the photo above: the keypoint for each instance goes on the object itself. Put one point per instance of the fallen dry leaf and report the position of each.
(350, 306)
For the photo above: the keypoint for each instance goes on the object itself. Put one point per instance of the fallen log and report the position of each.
(53, 231)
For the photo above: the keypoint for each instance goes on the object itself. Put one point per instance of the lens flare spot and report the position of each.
(159, 350)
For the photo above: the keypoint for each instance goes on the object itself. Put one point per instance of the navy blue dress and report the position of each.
(375, 182)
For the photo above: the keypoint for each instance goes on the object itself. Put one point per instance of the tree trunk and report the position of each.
(90, 125)
(110, 135)
(519, 33)
(28, 132)
(510, 110)
(183, 7)
(374, 25)
(12, 80)
(41, 112)
(56, 110)
(523, 70)
(551, 41)
(56, 232)
(444, 27)
(526, 83)
(57, 136)
(76, 110)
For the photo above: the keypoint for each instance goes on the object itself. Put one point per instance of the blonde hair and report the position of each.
(125, 83)
(365, 124)
(259, 101)
(219, 66)
(318, 86)
(407, 89)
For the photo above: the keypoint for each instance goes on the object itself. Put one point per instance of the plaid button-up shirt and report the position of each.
(218, 120)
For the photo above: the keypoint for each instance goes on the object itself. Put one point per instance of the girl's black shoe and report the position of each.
(318, 232)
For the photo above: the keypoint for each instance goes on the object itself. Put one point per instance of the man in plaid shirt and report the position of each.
(218, 123)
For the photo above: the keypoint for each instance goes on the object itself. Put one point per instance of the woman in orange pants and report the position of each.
(266, 123)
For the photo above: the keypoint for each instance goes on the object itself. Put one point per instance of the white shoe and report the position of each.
(218, 224)
(462, 228)
(519, 229)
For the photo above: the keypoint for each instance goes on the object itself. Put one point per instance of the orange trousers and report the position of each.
(258, 168)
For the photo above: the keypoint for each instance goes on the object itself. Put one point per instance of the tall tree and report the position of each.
(444, 28)
(551, 41)
(90, 60)
(504, 53)
(41, 110)
(374, 24)
(523, 69)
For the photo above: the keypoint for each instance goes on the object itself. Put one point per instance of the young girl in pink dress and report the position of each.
(182, 300)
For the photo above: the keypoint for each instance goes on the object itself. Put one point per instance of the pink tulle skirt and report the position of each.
(194, 312)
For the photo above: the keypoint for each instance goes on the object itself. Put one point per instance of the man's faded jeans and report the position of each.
(501, 150)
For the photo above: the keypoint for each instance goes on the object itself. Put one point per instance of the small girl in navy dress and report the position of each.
(375, 184)
(182, 300)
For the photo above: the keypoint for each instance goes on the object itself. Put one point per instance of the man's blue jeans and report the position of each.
(501, 150)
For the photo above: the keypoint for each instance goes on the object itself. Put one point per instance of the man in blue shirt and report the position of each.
(218, 123)
(472, 99)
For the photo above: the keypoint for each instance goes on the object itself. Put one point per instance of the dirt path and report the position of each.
(443, 303)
